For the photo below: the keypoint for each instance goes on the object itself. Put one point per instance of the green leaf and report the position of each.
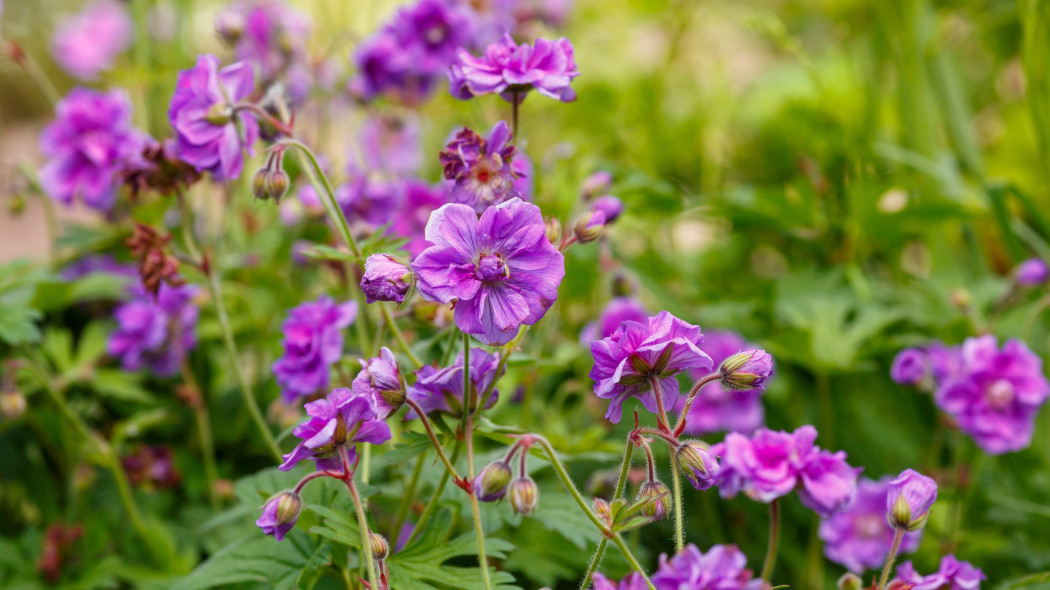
(260, 558)
(18, 324)
(117, 384)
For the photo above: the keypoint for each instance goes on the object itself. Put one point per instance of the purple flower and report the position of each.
(87, 145)
(698, 463)
(420, 200)
(996, 396)
(523, 173)
(201, 112)
(98, 263)
(633, 581)
(491, 484)
(952, 575)
(441, 390)
(772, 464)
(392, 144)
(86, 43)
(268, 34)
(512, 70)
(596, 183)
(381, 381)
(626, 362)
(369, 199)
(155, 332)
(723, 567)
(481, 169)
(340, 420)
(617, 311)
(859, 537)
(909, 498)
(610, 206)
(717, 408)
(279, 514)
(313, 342)
(1032, 272)
(501, 270)
(746, 370)
(386, 279)
(909, 367)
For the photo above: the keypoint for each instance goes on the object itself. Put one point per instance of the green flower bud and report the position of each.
(524, 495)
(660, 499)
(379, 545)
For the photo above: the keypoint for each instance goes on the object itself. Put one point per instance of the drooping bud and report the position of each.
(277, 182)
(589, 226)
(659, 496)
(491, 484)
(595, 183)
(697, 463)
(271, 181)
(12, 405)
(909, 499)
(379, 545)
(849, 581)
(280, 513)
(386, 278)
(611, 206)
(259, 184)
(524, 495)
(746, 370)
(553, 230)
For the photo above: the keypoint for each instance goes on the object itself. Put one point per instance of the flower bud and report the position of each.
(277, 182)
(595, 184)
(386, 278)
(697, 463)
(909, 499)
(1031, 272)
(379, 545)
(659, 495)
(12, 405)
(589, 226)
(553, 230)
(623, 285)
(259, 184)
(849, 581)
(603, 510)
(229, 25)
(524, 495)
(279, 514)
(746, 370)
(611, 206)
(491, 484)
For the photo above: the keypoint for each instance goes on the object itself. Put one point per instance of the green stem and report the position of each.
(567, 482)
(324, 191)
(676, 489)
(431, 506)
(398, 335)
(479, 532)
(362, 524)
(406, 500)
(433, 437)
(36, 74)
(631, 560)
(898, 536)
(774, 541)
(200, 410)
(625, 467)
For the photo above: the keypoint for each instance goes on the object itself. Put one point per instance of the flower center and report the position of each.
(1000, 393)
(487, 170)
(435, 34)
(491, 267)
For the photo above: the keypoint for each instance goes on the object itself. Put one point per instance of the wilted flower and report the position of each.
(697, 463)
(313, 342)
(909, 498)
(637, 352)
(996, 396)
(88, 144)
(952, 575)
(442, 389)
(380, 380)
(859, 537)
(205, 123)
(155, 263)
(1032, 272)
(340, 420)
(512, 70)
(723, 567)
(659, 496)
(386, 278)
(746, 370)
(524, 495)
(719, 408)
(157, 167)
(86, 43)
(500, 270)
(155, 331)
(608, 205)
(491, 484)
(481, 169)
(279, 514)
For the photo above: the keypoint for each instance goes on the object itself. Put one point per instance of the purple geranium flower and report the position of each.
(380, 380)
(611, 206)
(441, 390)
(340, 420)
(617, 311)
(859, 537)
(155, 332)
(313, 342)
(723, 567)
(87, 145)
(501, 270)
(420, 200)
(633, 581)
(369, 198)
(512, 70)
(98, 263)
(626, 362)
(392, 144)
(771, 464)
(1032, 272)
(909, 498)
(481, 169)
(269, 35)
(910, 367)
(279, 514)
(952, 575)
(997, 395)
(202, 114)
(386, 279)
(86, 43)
(718, 408)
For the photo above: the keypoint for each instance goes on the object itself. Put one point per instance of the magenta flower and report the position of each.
(88, 144)
(909, 498)
(268, 34)
(381, 381)
(155, 332)
(1032, 272)
(626, 362)
(859, 537)
(610, 206)
(512, 70)
(746, 370)
(596, 183)
(723, 567)
(386, 279)
(441, 390)
(772, 464)
(420, 200)
(500, 270)
(952, 575)
(481, 169)
(201, 112)
(392, 144)
(910, 367)
(633, 581)
(996, 397)
(340, 420)
(617, 311)
(86, 43)
(313, 342)
(279, 514)
(718, 408)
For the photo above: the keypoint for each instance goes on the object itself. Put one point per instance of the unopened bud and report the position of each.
(595, 183)
(602, 509)
(259, 184)
(379, 545)
(746, 370)
(909, 499)
(280, 513)
(12, 405)
(900, 513)
(491, 484)
(611, 206)
(386, 278)
(524, 495)
(277, 182)
(589, 226)
(961, 298)
(849, 581)
(553, 230)
(659, 496)
(623, 285)
(697, 463)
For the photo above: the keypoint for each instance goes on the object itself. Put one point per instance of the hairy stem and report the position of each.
(676, 490)
(362, 524)
(625, 467)
(563, 475)
(679, 426)
(664, 424)
(433, 437)
(631, 560)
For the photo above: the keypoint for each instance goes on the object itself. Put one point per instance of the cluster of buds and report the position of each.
(271, 181)
(154, 263)
(497, 480)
